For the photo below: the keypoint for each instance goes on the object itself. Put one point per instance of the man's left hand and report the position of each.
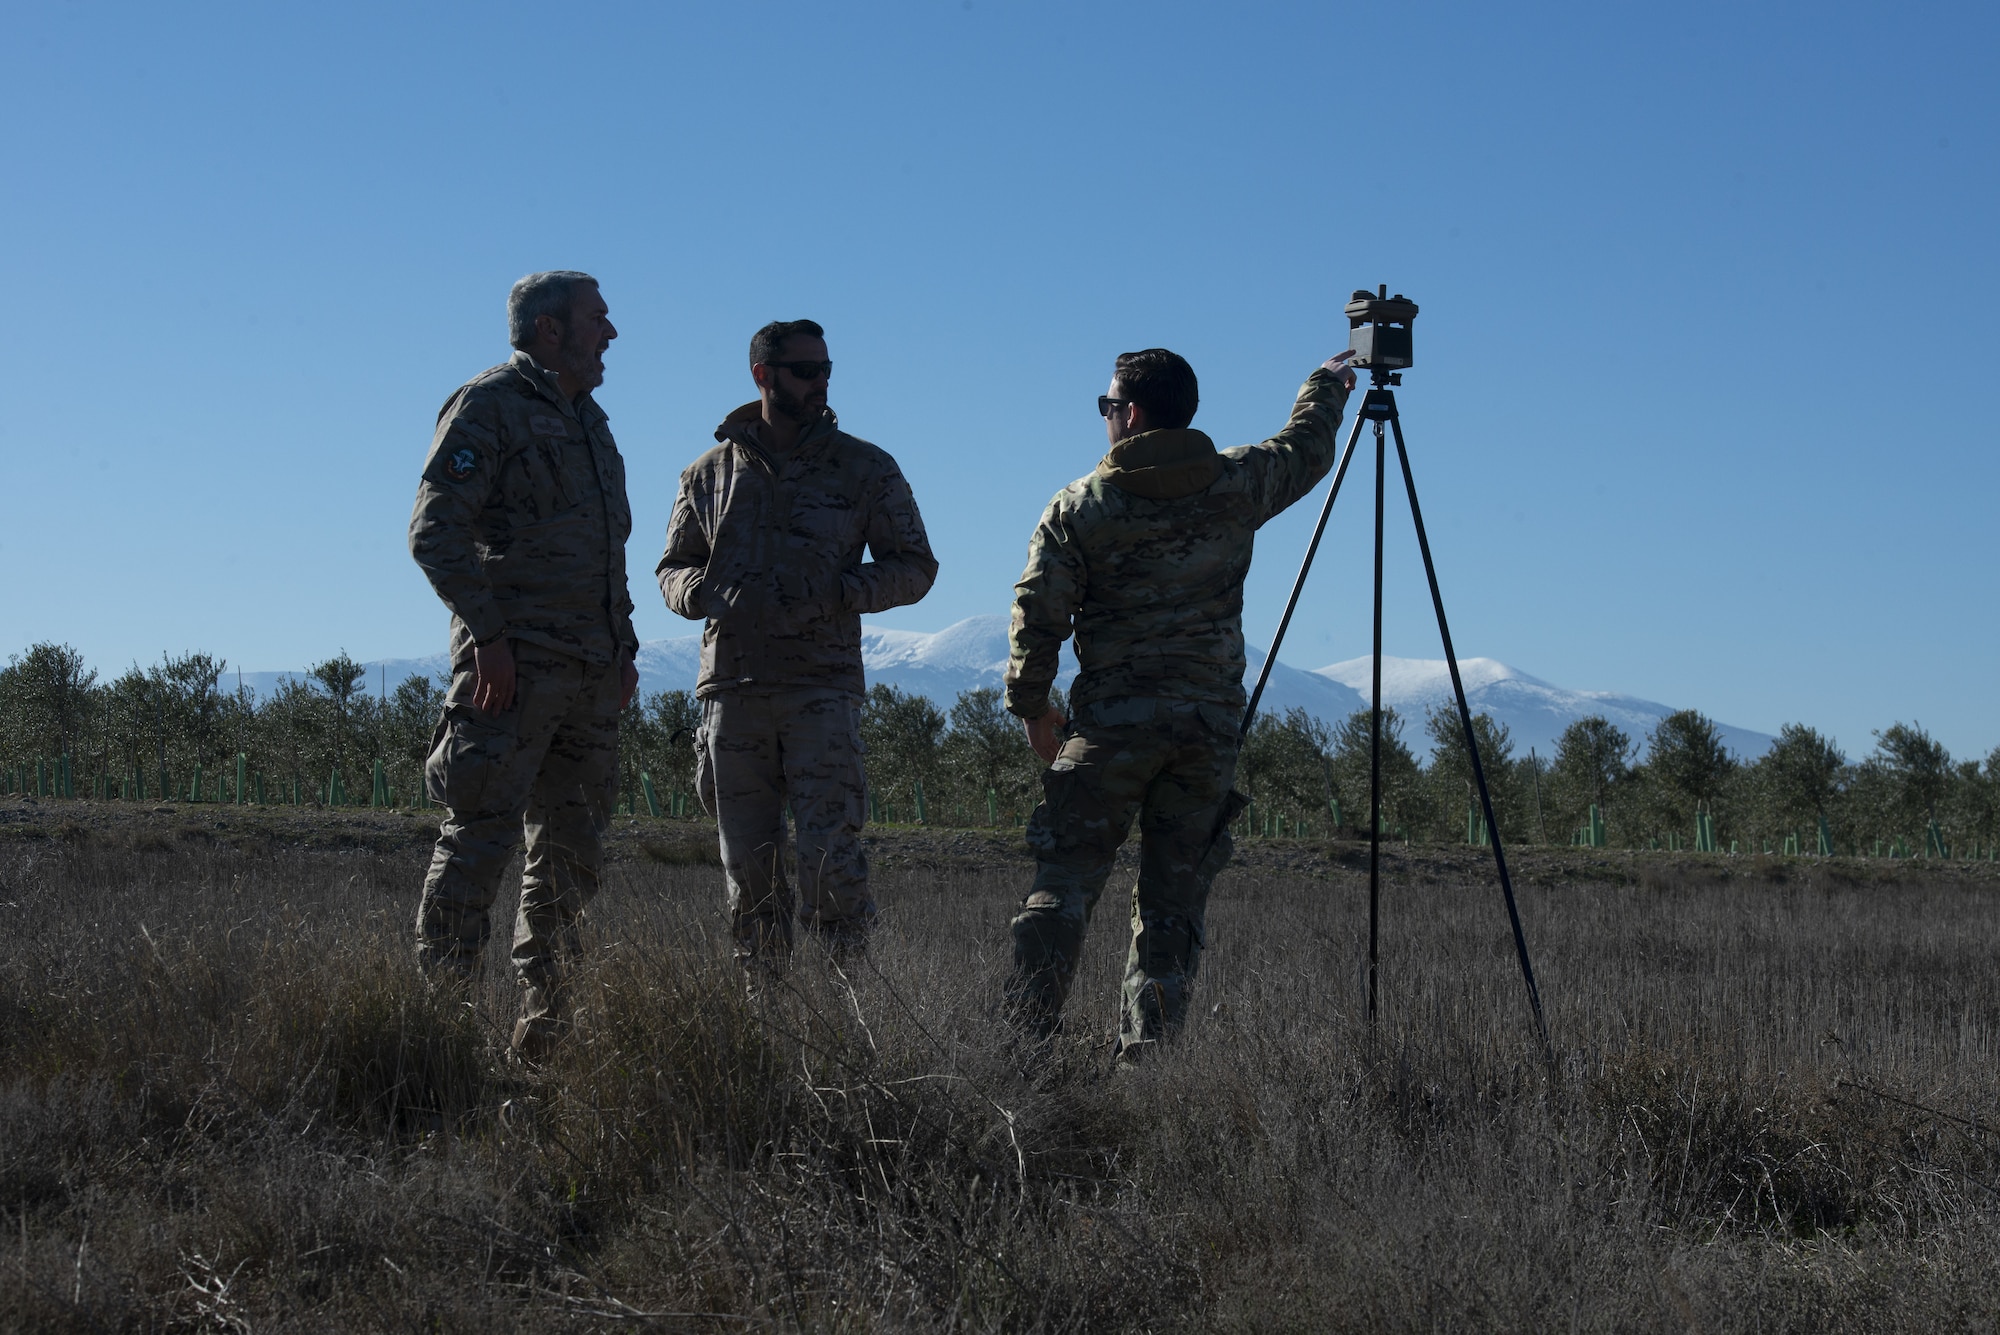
(1045, 733)
(628, 679)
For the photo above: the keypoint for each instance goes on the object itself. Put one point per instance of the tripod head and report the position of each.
(1379, 331)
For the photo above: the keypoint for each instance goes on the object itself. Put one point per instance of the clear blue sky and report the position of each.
(1709, 303)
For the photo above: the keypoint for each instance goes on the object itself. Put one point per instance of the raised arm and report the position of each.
(1290, 464)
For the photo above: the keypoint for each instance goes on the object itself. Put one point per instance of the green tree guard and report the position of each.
(1471, 824)
(41, 777)
(260, 788)
(1825, 838)
(1934, 844)
(194, 786)
(992, 807)
(1596, 826)
(1792, 845)
(65, 787)
(336, 791)
(652, 797)
(922, 816)
(1704, 832)
(242, 764)
(1333, 810)
(378, 790)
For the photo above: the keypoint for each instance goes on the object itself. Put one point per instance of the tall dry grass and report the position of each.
(228, 1104)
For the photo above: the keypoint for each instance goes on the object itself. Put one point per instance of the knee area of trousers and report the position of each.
(1168, 935)
(1053, 903)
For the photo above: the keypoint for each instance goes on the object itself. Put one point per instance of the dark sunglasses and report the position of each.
(807, 370)
(1105, 403)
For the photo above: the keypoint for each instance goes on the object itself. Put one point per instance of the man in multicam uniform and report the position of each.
(520, 524)
(765, 544)
(1145, 561)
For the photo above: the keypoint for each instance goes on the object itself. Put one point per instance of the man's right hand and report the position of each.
(1338, 365)
(493, 677)
(1045, 733)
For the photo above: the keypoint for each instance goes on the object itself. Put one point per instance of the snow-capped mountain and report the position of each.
(973, 653)
(1534, 711)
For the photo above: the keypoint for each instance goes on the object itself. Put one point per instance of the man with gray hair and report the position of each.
(520, 525)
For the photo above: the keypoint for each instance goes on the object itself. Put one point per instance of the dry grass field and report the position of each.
(227, 1102)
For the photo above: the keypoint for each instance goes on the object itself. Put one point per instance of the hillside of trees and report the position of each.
(179, 730)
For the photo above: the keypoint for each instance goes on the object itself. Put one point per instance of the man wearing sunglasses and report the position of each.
(1144, 561)
(766, 546)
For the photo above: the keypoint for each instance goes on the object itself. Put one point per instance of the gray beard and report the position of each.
(580, 363)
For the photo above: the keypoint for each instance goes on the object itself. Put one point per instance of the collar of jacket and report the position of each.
(1162, 465)
(741, 427)
(544, 381)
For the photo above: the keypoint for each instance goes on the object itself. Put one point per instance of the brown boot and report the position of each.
(544, 1022)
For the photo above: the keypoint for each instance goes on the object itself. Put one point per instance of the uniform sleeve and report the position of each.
(902, 569)
(1290, 464)
(1045, 600)
(459, 478)
(685, 561)
(621, 614)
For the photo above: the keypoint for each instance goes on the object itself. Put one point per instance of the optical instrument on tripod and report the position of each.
(1380, 329)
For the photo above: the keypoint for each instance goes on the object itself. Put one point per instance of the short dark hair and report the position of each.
(1162, 383)
(769, 341)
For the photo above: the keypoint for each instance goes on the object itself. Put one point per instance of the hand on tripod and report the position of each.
(1338, 365)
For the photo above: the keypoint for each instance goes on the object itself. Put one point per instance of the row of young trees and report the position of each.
(178, 728)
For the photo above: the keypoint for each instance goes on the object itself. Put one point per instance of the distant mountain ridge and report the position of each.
(973, 653)
(1534, 711)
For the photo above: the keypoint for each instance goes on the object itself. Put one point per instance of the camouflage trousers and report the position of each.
(763, 755)
(546, 769)
(1170, 764)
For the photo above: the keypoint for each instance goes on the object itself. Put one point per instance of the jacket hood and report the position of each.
(1162, 465)
(740, 425)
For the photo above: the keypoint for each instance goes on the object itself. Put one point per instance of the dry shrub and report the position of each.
(231, 1104)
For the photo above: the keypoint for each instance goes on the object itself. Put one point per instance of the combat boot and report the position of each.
(544, 1022)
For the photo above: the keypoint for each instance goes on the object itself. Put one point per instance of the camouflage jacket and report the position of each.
(521, 517)
(769, 552)
(1145, 560)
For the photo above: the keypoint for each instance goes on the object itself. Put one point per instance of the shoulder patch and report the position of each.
(462, 464)
(544, 425)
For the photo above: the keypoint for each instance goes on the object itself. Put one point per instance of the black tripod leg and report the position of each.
(1375, 735)
(1471, 745)
(1299, 584)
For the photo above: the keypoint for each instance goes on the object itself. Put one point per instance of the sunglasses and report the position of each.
(1105, 403)
(807, 370)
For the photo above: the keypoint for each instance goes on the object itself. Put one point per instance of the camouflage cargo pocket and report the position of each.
(468, 750)
(1052, 813)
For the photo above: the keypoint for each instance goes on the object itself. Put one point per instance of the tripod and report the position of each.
(1379, 407)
